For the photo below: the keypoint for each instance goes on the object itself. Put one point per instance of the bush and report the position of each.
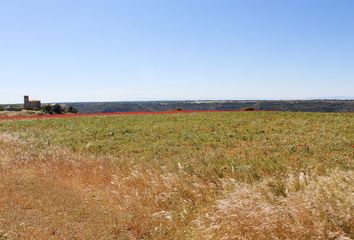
(53, 109)
(71, 109)
(47, 109)
(57, 109)
(248, 109)
(1, 109)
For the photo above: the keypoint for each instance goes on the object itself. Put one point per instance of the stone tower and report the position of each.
(26, 102)
(33, 105)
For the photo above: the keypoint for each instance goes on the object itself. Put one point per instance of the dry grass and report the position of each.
(277, 176)
(60, 195)
(322, 209)
(21, 113)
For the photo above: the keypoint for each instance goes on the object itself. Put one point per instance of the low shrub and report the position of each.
(53, 109)
(47, 109)
(248, 109)
(57, 109)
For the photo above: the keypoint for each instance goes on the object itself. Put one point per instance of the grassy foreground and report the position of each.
(245, 175)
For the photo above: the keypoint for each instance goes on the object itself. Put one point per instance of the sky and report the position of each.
(122, 50)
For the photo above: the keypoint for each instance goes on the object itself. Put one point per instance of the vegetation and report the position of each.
(245, 175)
(13, 108)
(47, 109)
(71, 109)
(248, 109)
(267, 105)
(58, 109)
(53, 109)
(19, 113)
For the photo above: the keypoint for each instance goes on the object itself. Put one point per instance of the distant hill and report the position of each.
(328, 105)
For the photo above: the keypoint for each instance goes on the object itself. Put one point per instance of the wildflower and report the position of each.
(303, 178)
(180, 167)
(168, 216)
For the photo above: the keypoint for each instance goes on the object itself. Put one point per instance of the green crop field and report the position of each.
(227, 175)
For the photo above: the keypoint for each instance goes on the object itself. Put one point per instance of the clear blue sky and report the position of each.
(102, 50)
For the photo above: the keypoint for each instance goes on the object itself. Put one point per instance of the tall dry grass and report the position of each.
(319, 208)
(55, 194)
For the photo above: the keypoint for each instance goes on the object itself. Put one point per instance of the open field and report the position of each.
(216, 175)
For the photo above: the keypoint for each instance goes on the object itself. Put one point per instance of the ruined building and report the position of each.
(31, 104)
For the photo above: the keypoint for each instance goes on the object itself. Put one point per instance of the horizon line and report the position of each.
(202, 100)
